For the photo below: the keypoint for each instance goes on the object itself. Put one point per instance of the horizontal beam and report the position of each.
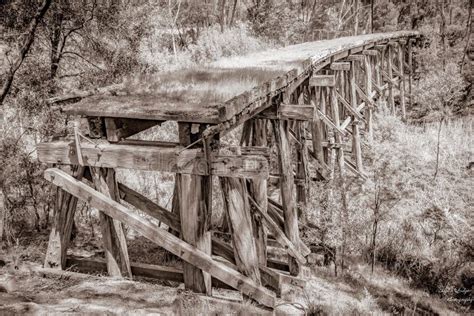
(341, 66)
(289, 112)
(322, 81)
(166, 159)
(138, 269)
(355, 58)
(160, 236)
(370, 52)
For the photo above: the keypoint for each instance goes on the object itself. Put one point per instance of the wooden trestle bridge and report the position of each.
(326, 89)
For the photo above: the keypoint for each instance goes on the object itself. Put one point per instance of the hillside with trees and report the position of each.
(399, 241)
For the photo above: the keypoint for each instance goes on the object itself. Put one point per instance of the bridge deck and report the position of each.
(196, 95)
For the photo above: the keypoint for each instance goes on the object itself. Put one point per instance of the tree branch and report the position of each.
(24, 49)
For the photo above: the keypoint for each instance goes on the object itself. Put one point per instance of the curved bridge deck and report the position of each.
(209, 94)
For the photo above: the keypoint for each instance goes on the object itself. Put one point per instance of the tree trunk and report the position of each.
(24, 49)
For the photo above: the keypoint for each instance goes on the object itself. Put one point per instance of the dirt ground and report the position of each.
(26, 290)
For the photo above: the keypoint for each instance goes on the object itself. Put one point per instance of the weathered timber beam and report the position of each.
(322, 81)
(170, 219)
(349, 107)
(279, 234)
(60, 236)
(120, 128)
(289, 112)
(356, 50)
(340, 55)
(167, 159)
(161, 237)
(340, 66)
(352, 168)
(364, 97)
(149, 207)
(370, 52)
(379, 89)
(330, 124)
(355, 58)
(152, 271)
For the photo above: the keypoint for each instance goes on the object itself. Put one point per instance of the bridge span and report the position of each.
(308, 107)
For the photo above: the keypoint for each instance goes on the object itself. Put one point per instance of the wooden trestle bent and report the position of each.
(300, 126)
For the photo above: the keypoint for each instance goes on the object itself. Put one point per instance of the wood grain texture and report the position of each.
(287, 187)
(237, 208)
(113, 236)
(64, 210)
(322, 81)
(164, 239)
(146, 157)
(145, 107)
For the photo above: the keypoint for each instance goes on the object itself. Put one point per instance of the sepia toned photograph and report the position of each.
(236, 157)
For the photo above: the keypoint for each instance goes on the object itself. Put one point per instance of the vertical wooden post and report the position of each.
(368, 91)
(323, 97)
(391, 99)
(238, 211)
(316, 127)
(258, 190)
(410, 71)
(115, 244)
(356, 149)
(302, 157)
(194, 212)
(379, 61)
(255, 134)
(282, 133)
(64, 210)
(401, 67)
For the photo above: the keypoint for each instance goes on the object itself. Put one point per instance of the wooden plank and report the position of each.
(149, 207)
(170, 219)
(279, 235)
(348, 106)
(138, 269)
(120, 128)
(113, 236)
(258, 190)
(238, 213)
(359, 58)
(194, 207)
(391, 99)
(144, 107)
(330, 124)
(289, 112)
(158, 235)
(322, 81)
(151, 271)
(364, 96)
(64, 210)
(340, 66)
(368, 96)
(168, 159)
(370, 52)
(402, 81)
(356, 50)
(282, 134)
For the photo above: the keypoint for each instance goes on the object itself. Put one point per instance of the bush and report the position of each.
(156, 53)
